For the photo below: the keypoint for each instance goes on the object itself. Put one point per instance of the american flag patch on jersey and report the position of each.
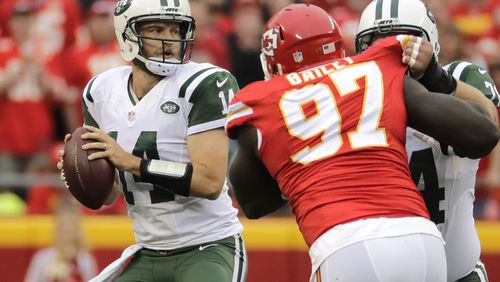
(328, 48)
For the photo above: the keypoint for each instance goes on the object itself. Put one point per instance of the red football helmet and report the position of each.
(297, 37)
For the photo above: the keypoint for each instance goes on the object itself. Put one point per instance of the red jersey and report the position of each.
(334, 136)
(89, 61)
(26, 123)
(86, 62)
(56, 27)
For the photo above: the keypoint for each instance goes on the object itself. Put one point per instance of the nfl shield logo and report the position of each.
(297, 57)
(131, 116)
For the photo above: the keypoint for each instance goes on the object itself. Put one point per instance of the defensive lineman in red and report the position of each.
(329, 137)
(325, 116)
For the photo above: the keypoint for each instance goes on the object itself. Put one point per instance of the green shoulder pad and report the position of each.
(86, 101)
(211, 98)
(475, 76)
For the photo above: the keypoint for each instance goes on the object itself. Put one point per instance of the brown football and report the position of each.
(90, 182)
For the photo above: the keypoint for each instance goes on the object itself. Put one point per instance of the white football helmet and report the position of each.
(393, 16)
(130, 12)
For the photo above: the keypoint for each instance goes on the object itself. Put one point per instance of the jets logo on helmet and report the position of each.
(269, 42)
(122, 6)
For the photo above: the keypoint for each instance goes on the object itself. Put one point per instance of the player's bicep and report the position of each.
(469, 93)
(255, 189)
(209, 148)
(208, 152)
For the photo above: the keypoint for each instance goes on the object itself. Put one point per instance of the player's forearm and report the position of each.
(449, 120)
(471, 94)
(464, 126)
(255, 190)
(132, 164)
(208, 152)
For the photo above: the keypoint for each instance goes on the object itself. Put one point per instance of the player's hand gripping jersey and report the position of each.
(333, 137)
(192, 100)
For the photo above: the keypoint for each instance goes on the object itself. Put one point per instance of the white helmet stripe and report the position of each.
(387, 9)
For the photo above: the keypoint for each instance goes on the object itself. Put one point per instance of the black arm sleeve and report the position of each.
(255, 189)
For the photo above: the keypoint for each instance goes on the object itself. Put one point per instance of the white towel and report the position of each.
(112, 271)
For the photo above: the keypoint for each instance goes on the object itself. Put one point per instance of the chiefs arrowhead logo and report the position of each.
(270, 41)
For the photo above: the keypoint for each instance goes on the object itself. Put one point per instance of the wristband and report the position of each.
(436, 79)
(171, 176)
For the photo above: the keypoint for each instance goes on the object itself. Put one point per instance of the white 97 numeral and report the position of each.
(326, 122)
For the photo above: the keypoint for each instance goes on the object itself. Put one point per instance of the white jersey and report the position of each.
(192, 100)
(447, 182)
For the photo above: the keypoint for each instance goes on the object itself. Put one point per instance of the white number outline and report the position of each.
(493, 89)
(224, 102)
(292, 112)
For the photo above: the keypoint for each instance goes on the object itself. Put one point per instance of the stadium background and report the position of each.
(50, 48)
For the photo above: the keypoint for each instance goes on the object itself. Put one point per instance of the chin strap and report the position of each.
(163, 69)
(159, 68)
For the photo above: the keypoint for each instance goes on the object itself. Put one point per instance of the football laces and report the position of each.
(63, 178)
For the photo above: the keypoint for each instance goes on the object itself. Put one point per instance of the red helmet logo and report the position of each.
(270, 41)
(299, 36)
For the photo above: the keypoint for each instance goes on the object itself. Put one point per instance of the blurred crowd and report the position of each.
(49, 49)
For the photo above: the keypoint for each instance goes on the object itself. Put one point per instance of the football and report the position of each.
(90, 182)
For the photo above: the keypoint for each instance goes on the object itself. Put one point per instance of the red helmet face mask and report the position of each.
(298, 37)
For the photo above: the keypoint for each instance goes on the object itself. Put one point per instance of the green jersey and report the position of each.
(475, 76)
